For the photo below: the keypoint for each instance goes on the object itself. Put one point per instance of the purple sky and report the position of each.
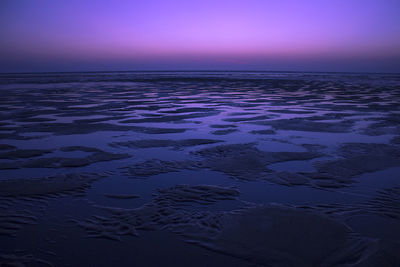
(317, 35)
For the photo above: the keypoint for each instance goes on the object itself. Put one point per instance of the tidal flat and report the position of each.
(200, 169)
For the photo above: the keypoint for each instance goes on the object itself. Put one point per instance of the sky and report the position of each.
(277, 35)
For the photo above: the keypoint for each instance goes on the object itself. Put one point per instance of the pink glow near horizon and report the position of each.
(235, 32)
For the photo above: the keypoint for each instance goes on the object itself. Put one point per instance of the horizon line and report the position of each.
(260, 71)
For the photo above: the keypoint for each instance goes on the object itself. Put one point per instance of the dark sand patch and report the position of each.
(384, 125)
(383, 209)
(358, 158)
(243, 105)
(177, 144)
(286, 178)
(166, 211)
(284, 237)
(100, 119)
(245, 161)
(22, 201)
(7, 147)
(156, 166)
(22, 259)
(395, 140)
(47, 186)
(87, 128)
(13, 217)
(289, 111)
(24, 153)
(387, 203)
(262, 234)
(374, 130)
(16, 136)
(80, 148)
(172, 118)
(218, 126)
(314, 147)
(269, 131)
(8, 127)
(241, 119)
(34, 119)
(224, 132)
(121, 196)
(349, 150)
(240, 161)
(242, 113)
(376, 205)
(385, 254)
(187, 110)
(332, 116)
(97, 155)
(300, 124)
(202, 194)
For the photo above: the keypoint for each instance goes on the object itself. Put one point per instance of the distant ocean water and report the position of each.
(137, 76)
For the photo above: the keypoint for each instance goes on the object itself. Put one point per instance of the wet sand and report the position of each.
(199, 169)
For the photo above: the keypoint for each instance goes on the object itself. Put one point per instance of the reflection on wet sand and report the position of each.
(254, 169)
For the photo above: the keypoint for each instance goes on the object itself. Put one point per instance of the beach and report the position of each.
(200, 169)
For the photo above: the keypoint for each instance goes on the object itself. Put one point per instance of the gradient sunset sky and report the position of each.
(294, 35)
